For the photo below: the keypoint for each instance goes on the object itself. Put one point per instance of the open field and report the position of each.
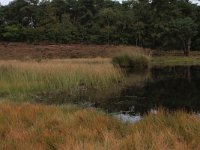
(28, 126)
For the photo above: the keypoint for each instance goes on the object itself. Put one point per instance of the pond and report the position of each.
(170, 88)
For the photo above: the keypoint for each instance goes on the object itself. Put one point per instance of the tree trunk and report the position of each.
(136, 42)
(108, 30)
(187, 47)
(185, 51)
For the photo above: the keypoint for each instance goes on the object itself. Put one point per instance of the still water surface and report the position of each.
(172, 88)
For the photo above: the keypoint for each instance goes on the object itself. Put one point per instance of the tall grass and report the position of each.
(28, 126)
(176, 130)
(28, 77)
(132, 59)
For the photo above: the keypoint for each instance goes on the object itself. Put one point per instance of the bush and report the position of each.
(131, 60)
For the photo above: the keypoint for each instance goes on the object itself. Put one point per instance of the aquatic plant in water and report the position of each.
(134, 60)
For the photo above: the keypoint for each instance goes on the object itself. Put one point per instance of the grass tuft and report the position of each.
(130, 59)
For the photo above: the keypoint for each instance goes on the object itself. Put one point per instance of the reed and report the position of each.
(18, 78)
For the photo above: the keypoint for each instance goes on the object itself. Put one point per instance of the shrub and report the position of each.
(131, 60)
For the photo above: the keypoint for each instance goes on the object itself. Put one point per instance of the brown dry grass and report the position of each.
(163, 131)
(28, 126)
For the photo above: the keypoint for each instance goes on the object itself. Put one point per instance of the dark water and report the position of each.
(172, 88)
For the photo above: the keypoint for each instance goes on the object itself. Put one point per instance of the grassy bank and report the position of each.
(19, 78)
(175, 60)
(28, 126)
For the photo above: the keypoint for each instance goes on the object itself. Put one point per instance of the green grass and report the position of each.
(130, 59)
(23, 78)
(175, 60)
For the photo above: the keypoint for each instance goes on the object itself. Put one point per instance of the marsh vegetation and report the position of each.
(34, 126)
(71, 103)
(100, 75)
(22, 78)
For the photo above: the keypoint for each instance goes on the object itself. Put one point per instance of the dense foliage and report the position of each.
(163, 24)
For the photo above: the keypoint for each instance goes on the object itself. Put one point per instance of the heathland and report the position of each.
(71, 86)
(31, 71)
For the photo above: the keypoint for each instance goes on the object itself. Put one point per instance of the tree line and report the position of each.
(158, 24)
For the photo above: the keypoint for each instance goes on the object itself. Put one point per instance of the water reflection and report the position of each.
(170, 87)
